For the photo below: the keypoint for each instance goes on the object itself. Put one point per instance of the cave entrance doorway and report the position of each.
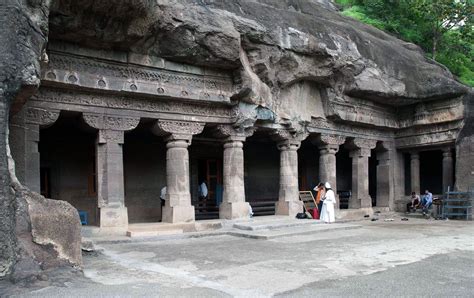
(144, 170)
(206, 154)
(67, 164)
(261, 173)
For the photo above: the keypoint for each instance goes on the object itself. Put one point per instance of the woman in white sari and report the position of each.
(329, 200)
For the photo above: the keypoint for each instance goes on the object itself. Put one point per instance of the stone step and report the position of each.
(292, 231)
(274, 224)
(153, 233)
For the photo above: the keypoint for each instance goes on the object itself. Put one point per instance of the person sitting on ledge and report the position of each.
(415, 202)
(426, 201)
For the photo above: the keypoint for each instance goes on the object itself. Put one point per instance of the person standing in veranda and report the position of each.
(319, 189)
(329, 200)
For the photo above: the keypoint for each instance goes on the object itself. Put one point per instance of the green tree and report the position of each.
(443, 28)
(441, 16)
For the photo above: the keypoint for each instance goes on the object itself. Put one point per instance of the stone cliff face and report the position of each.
(273, 44)
(32, 228)
(278, 51)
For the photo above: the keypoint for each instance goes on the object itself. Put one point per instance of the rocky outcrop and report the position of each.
(32, 229)
(281, 42)
(465, 148)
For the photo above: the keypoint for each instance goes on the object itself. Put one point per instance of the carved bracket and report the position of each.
(231, 133)
(177, 130)
(362, 147)
(288, 140)
(111, 136)
(41, 117)
(101, 122)
(323, 140)
(364, 143)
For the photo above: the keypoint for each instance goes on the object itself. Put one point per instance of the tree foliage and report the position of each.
(443, 28)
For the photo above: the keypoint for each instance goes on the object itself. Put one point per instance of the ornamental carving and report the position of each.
(364, 143)
(229, 131)
(185, 128)
(111, 136)
(287, 139)
(127, 103)
(100, 121)
(215, 87)
(41, 117)
(331, 139)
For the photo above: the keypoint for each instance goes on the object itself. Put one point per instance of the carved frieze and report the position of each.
(101, 121)
(427, 113)
(127, 103)
(41, 117)
(435, 134)
(125, 77)
(364, 111)
(320, 125)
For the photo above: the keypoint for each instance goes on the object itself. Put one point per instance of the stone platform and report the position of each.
(265, 227)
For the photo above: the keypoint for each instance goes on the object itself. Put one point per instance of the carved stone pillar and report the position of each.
(448, 169)
(109, 162)
(178, 135)
(360, 173)
(288, 196)
(415, 172)
(24, 139)
(328, 147)
(233, 201)
(384, 178)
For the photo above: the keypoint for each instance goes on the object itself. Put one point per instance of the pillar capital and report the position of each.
(361, 147)
(324, 140)
(110, 122)
(110, 136)
(232, 133)
(414, 155)
(447, 152)
(287, 140)
(177, 130)
(41, 117)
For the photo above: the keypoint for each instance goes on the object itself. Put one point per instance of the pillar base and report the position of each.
(114, 217)
(290, 208)
(178, 214)
(229, 210)
(355, 203)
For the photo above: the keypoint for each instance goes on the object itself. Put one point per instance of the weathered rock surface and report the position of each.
(273, 44)
(465, 148)
(32, 229)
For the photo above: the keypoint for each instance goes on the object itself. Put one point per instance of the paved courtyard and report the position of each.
(413, 258)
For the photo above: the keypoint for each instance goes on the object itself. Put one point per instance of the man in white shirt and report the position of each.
(203, 192)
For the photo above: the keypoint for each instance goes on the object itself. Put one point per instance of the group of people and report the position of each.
(424, 203)
(325, 199)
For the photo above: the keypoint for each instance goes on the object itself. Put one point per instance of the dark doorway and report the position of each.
(343, 177)
(261, 173)
(431, 171)
(67, 171)
(373, 177)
